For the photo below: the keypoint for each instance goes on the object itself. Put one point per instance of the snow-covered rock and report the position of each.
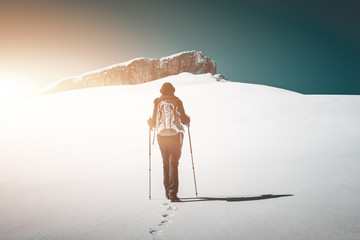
(139, 70)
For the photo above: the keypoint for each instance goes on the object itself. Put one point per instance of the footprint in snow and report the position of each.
(171, 208)
(152, 231)
(155, 232)
(168, 208)
(163, 222)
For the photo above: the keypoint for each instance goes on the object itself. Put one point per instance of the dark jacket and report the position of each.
(185, 119)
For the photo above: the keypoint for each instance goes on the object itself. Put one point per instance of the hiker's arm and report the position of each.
(152, 120)
(185, 119)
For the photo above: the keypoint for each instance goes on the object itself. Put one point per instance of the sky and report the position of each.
(311, 47)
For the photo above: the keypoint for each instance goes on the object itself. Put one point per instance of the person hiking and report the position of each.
(168, 119)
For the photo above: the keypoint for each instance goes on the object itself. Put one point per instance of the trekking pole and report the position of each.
(149, 163)
(192, 160)
(154, 136)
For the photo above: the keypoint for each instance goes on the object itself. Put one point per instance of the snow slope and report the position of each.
(270, 164)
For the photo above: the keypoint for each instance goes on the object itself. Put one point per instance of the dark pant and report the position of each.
(170, 147)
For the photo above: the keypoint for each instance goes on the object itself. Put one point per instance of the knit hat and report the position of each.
(167, 89)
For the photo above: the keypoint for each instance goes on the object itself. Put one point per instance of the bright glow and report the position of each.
(13, 86)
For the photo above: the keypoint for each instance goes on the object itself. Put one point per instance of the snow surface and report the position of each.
(74, 165)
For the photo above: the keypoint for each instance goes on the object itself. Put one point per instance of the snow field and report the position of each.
(74, 165)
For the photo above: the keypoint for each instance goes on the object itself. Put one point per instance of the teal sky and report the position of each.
(304, 46)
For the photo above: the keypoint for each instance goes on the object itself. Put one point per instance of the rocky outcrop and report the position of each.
(139, 70)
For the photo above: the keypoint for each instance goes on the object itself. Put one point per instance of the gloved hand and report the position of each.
(151, 123)
(186, 120)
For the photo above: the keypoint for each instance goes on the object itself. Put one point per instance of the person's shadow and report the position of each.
(234, 199)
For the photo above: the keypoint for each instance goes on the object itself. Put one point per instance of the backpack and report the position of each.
(168, 122)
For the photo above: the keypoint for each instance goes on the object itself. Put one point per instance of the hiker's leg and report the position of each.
(165, 153)
(175, 154)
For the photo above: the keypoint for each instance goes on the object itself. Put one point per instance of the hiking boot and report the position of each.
(173, 196)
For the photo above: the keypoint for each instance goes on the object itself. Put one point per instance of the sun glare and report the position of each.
(13, 86)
